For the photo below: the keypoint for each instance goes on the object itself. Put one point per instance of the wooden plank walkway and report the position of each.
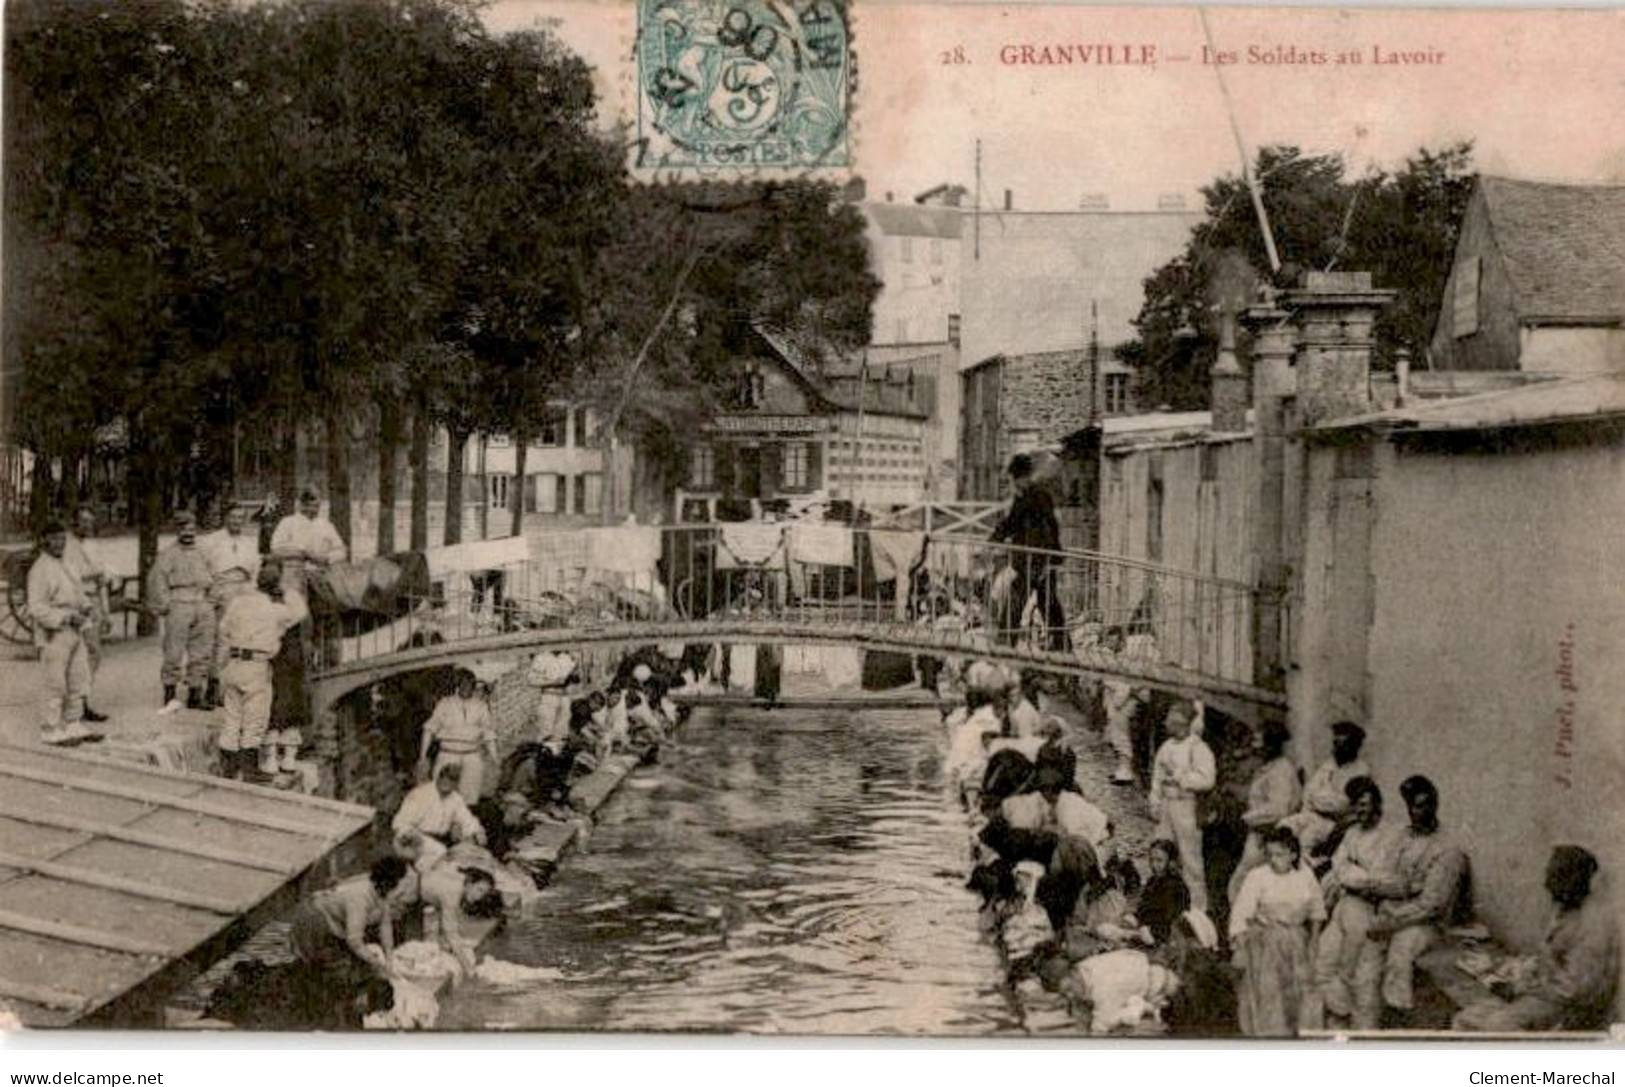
(119, 882)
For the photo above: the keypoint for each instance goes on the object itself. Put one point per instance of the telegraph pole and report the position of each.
(976, 209)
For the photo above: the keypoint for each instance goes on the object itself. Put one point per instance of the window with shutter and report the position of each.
(776, 468)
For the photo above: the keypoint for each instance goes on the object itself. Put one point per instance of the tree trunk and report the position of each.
(485, 493)
(41, 491)
(456, 440)
(516, 491)
(287, 461)
(389, 440)
(147, 505)
(338, 470)
(420, 478)
(70, 482)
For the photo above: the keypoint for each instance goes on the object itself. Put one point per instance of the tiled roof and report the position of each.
(876, 400)
(1563, 246)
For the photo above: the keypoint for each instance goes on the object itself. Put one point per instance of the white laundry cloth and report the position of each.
(1122, 987)
(821, 544)
(748, 543)
(624, 549)
(554, 552)
(742, 668)
(415, 1009)
(895, 553)
(842, 667)
(550, 669)
(496, 972)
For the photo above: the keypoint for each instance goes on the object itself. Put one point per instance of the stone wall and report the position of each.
(368, 746)
(1046, 397)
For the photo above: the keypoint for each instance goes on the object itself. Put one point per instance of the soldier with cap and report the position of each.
(93, 576)
(59, 611)
(252, 627)
(234, 560)
(178, 590)
(306, 542)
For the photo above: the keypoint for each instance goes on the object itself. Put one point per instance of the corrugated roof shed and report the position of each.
(1563, 247)
(1593, 396)
(119, 881)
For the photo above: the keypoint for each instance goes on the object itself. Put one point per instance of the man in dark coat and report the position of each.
(1031, 523)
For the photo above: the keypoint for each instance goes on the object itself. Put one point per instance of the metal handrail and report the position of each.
(959, 593)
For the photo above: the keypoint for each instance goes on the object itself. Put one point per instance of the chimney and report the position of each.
(1094, 201)
(856, 191)
(1171, 201)
(1009, 200)
(1229, 381)
(888, 198)
(1334, 313)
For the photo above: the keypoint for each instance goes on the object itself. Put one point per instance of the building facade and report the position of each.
(1048, 297)
(1538, 281)
(791, 435)
(915, 249)
(1013, 404)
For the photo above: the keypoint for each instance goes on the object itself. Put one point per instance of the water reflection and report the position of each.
(797, 871)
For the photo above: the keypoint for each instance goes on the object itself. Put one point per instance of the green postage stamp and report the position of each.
(752, 84)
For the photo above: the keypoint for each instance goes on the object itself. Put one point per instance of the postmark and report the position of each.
(744, 85)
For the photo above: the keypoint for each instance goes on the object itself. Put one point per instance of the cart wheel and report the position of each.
(14, 624)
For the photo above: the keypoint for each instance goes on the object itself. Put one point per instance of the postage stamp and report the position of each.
(744, 84)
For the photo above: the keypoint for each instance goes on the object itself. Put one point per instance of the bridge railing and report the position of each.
(967, 592)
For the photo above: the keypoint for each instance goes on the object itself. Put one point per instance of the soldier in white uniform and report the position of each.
(462, 724)
(178, 590)
(234, 562)
(93, 576)
(252, 627)
(1181, 772)
(58, 610)
(306, 542)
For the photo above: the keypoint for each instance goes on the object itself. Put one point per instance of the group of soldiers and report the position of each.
(224, 608)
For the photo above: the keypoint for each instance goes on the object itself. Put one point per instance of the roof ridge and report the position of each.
(1556, 182)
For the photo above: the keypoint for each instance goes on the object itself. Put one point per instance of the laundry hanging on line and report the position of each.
(748, 543)
(821, 544)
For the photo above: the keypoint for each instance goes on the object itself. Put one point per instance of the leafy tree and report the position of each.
(1401, 226)
(694, 268)
(105, 122)
(538, 191)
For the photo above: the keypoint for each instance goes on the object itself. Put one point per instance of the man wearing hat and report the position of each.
(178, 591)
(58, 610)
(252, 626)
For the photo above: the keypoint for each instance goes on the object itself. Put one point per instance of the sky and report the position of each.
(1540, 92)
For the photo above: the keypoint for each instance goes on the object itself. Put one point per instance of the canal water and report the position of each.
(793, 871)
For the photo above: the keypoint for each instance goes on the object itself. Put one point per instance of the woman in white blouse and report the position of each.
(1273, 924)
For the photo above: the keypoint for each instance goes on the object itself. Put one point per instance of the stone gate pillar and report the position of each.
(1274, 341)
(1334, 313)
